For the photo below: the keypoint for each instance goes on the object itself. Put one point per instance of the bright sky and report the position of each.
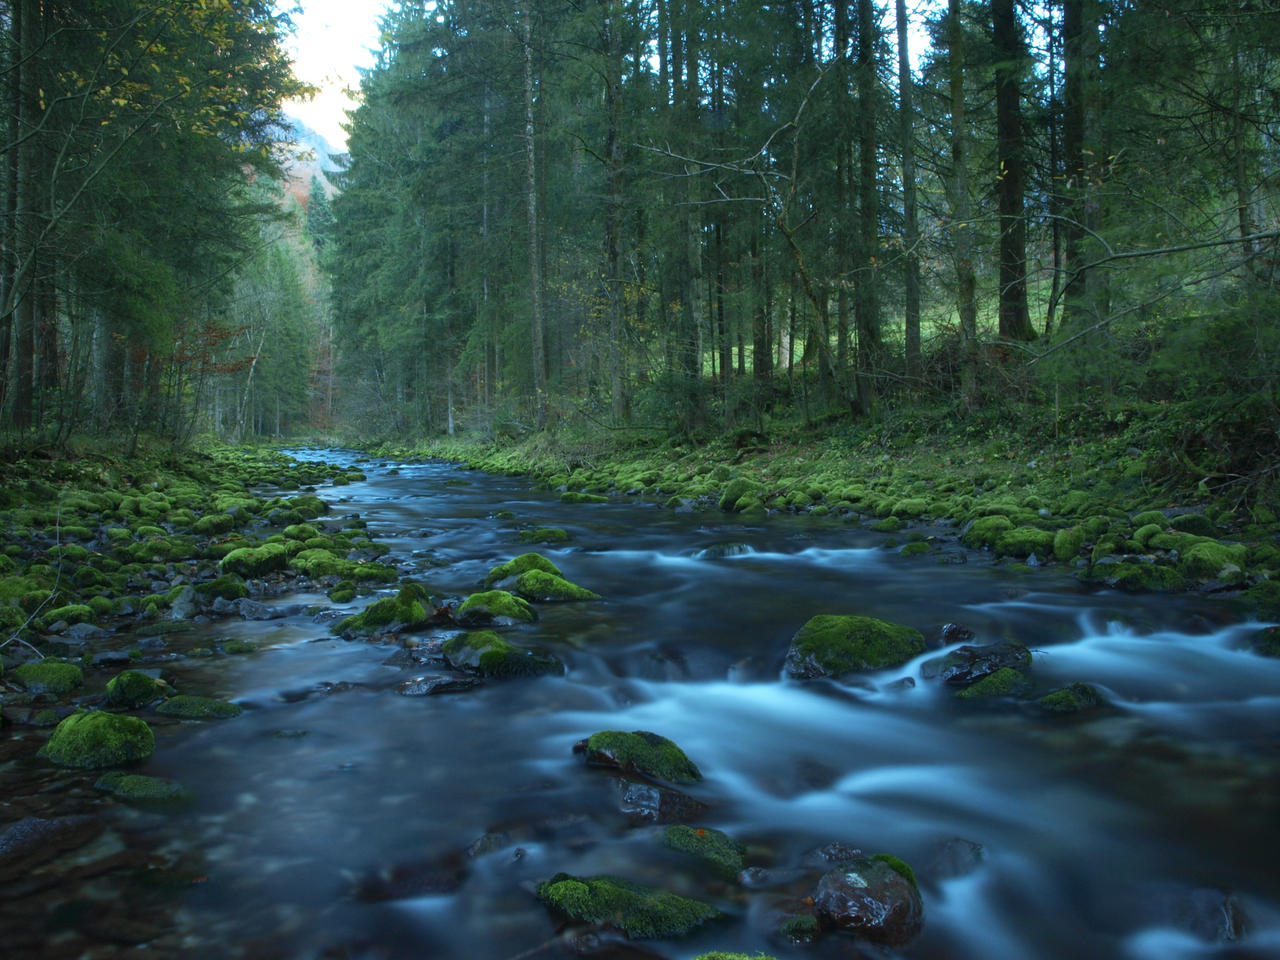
(332, 38)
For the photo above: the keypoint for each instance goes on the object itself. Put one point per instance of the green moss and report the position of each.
(406, 607)
(916, 548)
(1150, 517)
(71, 613)
(495, 604)
(486, 653)
(199, 708)
(101, 606)
(1005, 682)
(521, 564)
(1210, 560)
(888, 525)
(236, 647)
(1067, 543)
(320, 563)
(309, 506)
(131, 689)
(802, 928)
(540, 585)
(833, 645)
(642, 752)
(640, 912)
(1140, 577)
(48, 676)
(212, 524)
(716, 848)
(911, 507)
(228, 587)
(1072, 699)
(1143, 535)
(251, 562)
(543, 535)
(572, 496)
(300, 531)
(1024, 541)
(737, 489)
(899, 867)
(1267, 642)
(1196, 524)
(99, 739)
(985, 531)
(148, 791)
(1264, 596)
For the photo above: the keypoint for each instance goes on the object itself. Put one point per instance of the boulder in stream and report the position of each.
(48, 676)
(1071, 699)
(99, 739)
(969, 664)
(143, 790)
(831, 645)
(539, 585)
(132, 689)
(639, 912)
(489, 655)
(639, 751)
(643, 803)
(492, 606)
(199, 708)
(874, 897)
(714, 847)
(521, 564)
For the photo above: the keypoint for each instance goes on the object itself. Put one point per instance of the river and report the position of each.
(336, 818)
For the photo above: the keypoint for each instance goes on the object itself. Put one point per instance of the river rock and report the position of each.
(871, 899)
(99, 739)
(640, 751)
(643, 803)
(430, 686)
(969, 664)
(640, 912)
(33, 841)
(1207, 913)
(256, 610)
(831, 645)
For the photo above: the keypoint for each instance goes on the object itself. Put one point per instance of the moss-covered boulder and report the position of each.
(639, 751)
(831, 645)
(251, 562)
(540, 585)
(1211, 560)
(1067, 543)
(70, 613)
(1196, 524)
(1025, 541)
(1071, 699)
(189, 707)
(1005, 682)
(521, 564)
(717, 849)
(1137, 577)
(320, 562)
(486, 653)
(543, 535)
(309, 506)
(143, 790)
(131, 689)
(573, 496)
(986, 531)
(48, 676)
(99, 739)
(740, 493)
(408, 609)
(226, 587)
(639, 912)
(495, 605)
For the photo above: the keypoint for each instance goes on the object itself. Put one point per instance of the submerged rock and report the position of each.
(714, 847)
(1071, 699)
(99, 739)
(486, 653)
(1207, 913)
(431, 686)
(832, 645)
(199, 708)
(640, 752)
(32, 841)
(136, 788)
(873, 898)
(639, 912)
(968, 664)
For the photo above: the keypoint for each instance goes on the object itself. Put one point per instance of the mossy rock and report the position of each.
(1264, 596)
(238, 647)
(408, 608)
(986, 531)
(143, 790)
(309, 506)
(226, 587)
(521, 564)
(900, 867)
(1071, 699)
(639, 912)
(1196, 524)
(1148, 517)
(830, 645)
(1140, 577)
(99, 739)
(1067, 543)
(300, 531)
(543, 535)
(1005, 682)
(889, 525)
(916, 548)
(911, 507)
(212, 524)
(721, 955)
(540, 585)
(1025, 541)
(48, 676)
(572, 496)
(70, 613)
(316, 562)
(736, 490)
(131, 689)
(639, 751)
(492, 605)
(199, 708)
(1210, 560)
(719, 850)
(1144, 534)
(486, 653)
(1266, 642)
(249, 562)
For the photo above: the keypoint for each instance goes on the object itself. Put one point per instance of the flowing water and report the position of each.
(337, 818)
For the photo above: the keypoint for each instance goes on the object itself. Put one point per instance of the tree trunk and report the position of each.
(966, 280)
(866, 308)
(613, 205)
(536, 331)
(1073, 156)
(911, 227)
(1015, 321)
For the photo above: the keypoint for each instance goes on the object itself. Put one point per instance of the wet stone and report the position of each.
(969, 664)
(34, 840)
(645, 803)
(430, 686)
(869, 898)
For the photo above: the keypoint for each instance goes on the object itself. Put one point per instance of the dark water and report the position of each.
(347, 836)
